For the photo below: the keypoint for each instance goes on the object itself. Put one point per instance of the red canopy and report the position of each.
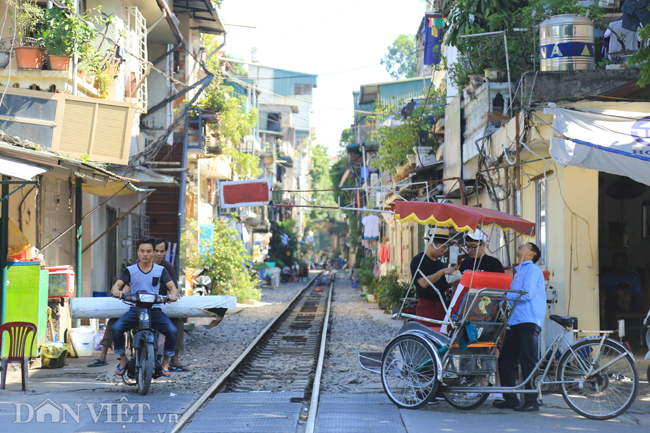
(461, 217)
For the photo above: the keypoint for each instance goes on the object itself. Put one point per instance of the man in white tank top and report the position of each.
(145, 276)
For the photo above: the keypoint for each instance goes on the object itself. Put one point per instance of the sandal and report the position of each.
(99, 363)
(165, 371)
(179, 368)
(121, 370)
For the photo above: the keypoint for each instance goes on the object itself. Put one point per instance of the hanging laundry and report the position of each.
(370, 227)
(377, 271)
(635, 13)
(619, 39)
(384, 253)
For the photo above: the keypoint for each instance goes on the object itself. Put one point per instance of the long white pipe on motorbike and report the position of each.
(187, 306)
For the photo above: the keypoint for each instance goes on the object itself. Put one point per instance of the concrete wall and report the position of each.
(95, 270)
(553, 86)
(57, 211)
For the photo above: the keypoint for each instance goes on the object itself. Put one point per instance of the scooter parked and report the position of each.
(201, 283)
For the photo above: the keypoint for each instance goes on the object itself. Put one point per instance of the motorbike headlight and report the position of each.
(147, 297)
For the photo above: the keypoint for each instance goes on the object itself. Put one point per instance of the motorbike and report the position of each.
(646, 327)
(144, 365)
(285, 278)
(201, 283)
(410, 304)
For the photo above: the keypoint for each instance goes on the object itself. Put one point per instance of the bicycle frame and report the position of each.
(552, 349)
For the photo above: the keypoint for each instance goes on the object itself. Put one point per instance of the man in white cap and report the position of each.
(478, 260)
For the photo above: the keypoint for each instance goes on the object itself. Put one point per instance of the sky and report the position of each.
(326, 39)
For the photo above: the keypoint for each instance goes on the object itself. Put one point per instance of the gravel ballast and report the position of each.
(353, 329)
(210, 352)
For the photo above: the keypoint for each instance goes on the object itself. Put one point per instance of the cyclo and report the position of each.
(458, 358)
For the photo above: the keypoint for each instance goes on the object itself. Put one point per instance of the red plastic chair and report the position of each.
(18, 333)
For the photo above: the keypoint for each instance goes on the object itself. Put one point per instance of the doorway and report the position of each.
(623, 243)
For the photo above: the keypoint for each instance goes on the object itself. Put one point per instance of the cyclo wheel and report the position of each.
(604, 394)
(409, 372)
(145, 371)
(466, 400)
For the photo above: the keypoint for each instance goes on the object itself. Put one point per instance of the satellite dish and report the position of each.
(626, 189)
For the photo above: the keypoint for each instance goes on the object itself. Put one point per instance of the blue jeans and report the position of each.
(159, 321)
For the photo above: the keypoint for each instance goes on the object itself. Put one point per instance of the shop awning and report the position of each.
(114, 189)
(616, 142)
(19, 169)
(461, 217)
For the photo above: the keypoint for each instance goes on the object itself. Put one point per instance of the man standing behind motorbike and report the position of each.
(145, 276)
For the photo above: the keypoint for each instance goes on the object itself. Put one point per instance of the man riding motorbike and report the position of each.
(145, 276)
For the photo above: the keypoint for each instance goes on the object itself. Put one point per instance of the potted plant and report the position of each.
(5, 55)
(65, 34)
(391, 291)
(105, 71)
(27, 18)
(368, 280)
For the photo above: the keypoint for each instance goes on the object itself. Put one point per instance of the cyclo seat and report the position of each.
(565, 321)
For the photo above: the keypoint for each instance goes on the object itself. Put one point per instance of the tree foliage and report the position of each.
(347, 138)
(321, 180)
(225, 260)
(398, 137)
(642, 57)
(401, 59)
(236, 121)
(470, 17)
(280, 252)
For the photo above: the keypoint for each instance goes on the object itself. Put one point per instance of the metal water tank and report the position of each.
(566, 43)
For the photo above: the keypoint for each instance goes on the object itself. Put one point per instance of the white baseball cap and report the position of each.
(477, 235)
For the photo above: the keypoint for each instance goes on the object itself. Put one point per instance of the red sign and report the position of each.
(249, 192)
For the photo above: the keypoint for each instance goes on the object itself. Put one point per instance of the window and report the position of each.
(136, 44)
(302, 89)
(541, 228)
(274, 122)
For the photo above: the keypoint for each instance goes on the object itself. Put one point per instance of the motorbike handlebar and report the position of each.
(134, 297)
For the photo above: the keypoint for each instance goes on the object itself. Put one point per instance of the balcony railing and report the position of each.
(49, 81)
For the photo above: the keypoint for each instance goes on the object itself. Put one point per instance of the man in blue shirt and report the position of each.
(520, 344)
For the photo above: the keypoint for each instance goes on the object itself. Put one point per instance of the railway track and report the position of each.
(275, 383)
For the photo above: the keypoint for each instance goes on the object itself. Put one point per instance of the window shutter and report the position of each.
(99, 129)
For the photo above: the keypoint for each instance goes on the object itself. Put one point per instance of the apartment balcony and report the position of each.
(285, 149)
(49, 81)
(76, 126)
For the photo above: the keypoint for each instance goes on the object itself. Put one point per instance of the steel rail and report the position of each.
(315, 394)
(189, 413)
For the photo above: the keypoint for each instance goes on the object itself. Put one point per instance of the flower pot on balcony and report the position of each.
(59, 63)
(476, 81)
(4, 59)
(496, 75)
(30, 57)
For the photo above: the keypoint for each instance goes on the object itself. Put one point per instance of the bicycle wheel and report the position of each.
(466, 400)
(145, 370)
(409, 372)
(607, 392)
